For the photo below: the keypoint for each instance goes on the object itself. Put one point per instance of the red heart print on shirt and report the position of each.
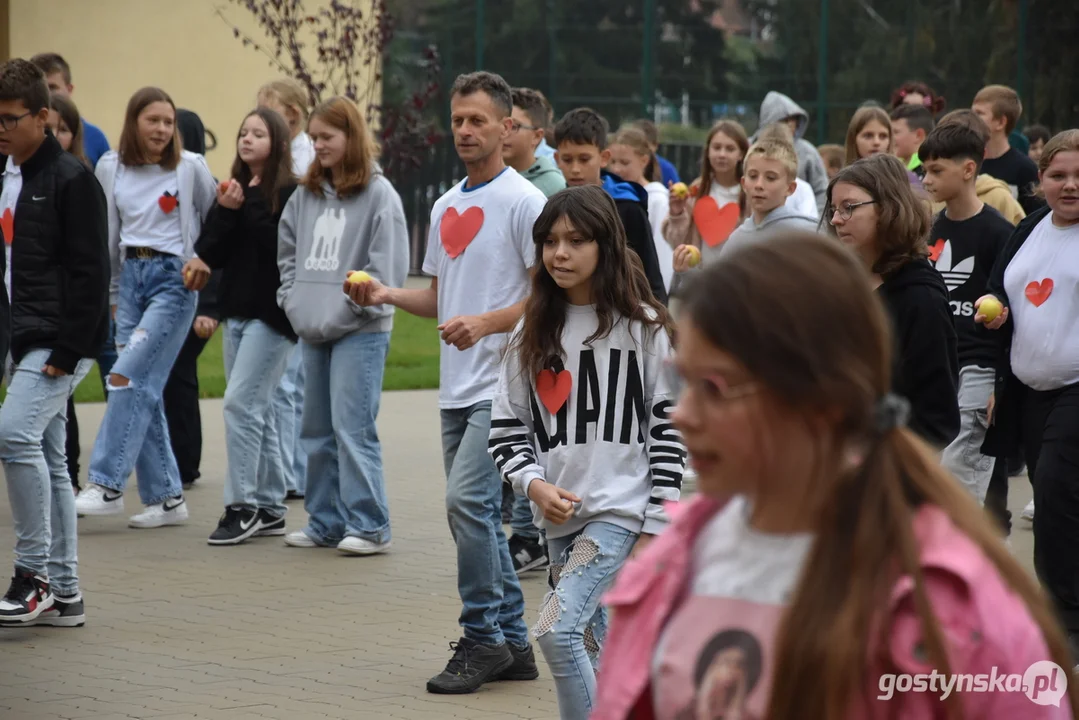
(458, 230)
(715, 223)
(7, 224)
(1039, 292)
(936, 249)
(553, 389)
(168, 202)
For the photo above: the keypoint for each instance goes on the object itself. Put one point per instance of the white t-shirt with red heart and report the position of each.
(480, 248)
(8, 198)
(1042, 282)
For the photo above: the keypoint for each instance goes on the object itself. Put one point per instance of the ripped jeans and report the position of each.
(153, 316)
(572, 622)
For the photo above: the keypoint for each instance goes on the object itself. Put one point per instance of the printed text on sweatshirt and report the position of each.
(611, 441)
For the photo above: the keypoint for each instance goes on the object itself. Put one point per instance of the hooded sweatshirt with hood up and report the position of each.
(782, 218)
(321, 238)
(778, 107)
(926, 360)
(546, 176)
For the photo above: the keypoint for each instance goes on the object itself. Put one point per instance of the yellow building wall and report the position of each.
(115, 47)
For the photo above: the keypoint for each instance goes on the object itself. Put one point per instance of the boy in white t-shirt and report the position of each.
(479, 252)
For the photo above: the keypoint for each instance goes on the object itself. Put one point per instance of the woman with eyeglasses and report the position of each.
(873, 210)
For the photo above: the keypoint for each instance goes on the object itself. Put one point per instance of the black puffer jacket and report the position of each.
(243, 245)
(59, 260)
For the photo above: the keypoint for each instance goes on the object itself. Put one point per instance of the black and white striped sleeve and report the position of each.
(512, 442)
(666, 451)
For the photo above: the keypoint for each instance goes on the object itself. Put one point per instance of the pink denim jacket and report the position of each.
(985, 624)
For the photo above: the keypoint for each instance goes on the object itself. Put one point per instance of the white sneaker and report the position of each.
(298, 538)
(1028, 512)
(172, 511)
(359, 546)
(97, 500)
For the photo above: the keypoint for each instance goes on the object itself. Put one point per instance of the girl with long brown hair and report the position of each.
(706, 224)
(240, 240)
(344, 216)
(158, 196)
(1035, 282)
(873, 210)
(824, 529)
(590, 347)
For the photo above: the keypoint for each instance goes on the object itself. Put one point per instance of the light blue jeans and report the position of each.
(963, 457)
(572, 622)
(521, 520)
(255, 358)
(288, 410)
(493, 605)
(153, 317)
(346, 491)
(33, 435)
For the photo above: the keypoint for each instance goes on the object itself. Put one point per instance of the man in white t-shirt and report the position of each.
(479, 251)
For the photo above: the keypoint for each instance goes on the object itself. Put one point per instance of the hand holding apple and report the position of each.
(686, 257)
(230, 195)
(990, 311)
(365, 290)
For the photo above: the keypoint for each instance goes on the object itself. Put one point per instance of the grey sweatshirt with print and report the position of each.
(321, 238)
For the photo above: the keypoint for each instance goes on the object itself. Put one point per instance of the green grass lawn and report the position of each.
(412, 364)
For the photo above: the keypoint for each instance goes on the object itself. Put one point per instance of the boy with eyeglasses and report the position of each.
(526, 134)
(54, 217)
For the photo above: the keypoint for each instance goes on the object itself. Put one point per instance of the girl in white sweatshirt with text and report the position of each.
(581, 423)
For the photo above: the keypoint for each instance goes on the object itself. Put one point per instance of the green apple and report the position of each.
(991, 308)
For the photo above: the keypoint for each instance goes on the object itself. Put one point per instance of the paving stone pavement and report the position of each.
(178, 629)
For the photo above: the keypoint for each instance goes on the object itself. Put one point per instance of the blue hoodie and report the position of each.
(631, 201)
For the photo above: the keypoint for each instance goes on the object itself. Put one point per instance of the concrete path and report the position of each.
(179, 629)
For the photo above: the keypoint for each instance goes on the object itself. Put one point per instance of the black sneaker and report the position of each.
(470, 667)
(524, 664)
(293, 495)
(270, 525)
(27, 597)
(527, 554)
(235, 526)
(65, 612)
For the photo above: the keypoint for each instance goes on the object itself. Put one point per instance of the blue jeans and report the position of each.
(255, 357)
(346, 492)
(288, 411)
(493, 605)
(153, 316)
(33, 436)
(521, 520)
(572, 622)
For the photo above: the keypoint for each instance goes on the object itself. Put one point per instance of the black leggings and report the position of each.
(72, 445)
(1050, 426)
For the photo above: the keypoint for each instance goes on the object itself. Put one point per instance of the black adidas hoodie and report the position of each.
(926, 365)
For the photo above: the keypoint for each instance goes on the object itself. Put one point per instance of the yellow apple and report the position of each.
(680, 190)
(991, 308)
(694, 258)
(359, 276)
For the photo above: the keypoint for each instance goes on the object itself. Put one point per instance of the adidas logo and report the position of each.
(941, 255)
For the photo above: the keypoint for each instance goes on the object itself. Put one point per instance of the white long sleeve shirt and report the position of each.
(611, 443)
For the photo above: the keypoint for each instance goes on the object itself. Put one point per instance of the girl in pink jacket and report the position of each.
(829, 567)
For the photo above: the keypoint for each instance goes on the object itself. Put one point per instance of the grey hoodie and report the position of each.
(321, 239)
(778, 107)
(546, 176)
(782, 218)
